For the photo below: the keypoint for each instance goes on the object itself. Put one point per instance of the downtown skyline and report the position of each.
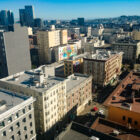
(70, 9)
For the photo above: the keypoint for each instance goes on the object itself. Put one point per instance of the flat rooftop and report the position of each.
(28, 79)
(102, 55)
(75, 80)
(126, 95)
(114, 129)
(40, 81)
(10, 99)
(127, 42)
(77, 57)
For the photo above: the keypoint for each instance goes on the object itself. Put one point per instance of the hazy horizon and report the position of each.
(71, 9)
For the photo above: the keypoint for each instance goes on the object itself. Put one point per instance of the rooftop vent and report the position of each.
(116, 132)
(125, 105)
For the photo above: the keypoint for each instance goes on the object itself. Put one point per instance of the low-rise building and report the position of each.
(81, 94)
(114, 130)
(16, 116)
(74, 64)
(124, 102)
(50, 93)
(131, 50)
(104, 66)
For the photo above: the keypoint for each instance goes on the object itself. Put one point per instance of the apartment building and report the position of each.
(79, 92)
(50, 93)
(16, 116)
(131, 50)
(47, 40)
(74, 64)
(124, 102)
(63, 36)
(104, 66)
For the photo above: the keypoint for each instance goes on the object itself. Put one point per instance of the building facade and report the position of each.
(104, 66)
(131, 50)
(123, 103)
(47, 40)
(81, 94)
(16, 116)
(50, 93)
(74, 65)
(27, 16)
(6, 17)
(14, 51)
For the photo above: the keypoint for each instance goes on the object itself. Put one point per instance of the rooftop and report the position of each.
(9, 100)
(127, 41)
(40, 79)
(114, 129)
(77, 57)
(127, 94)
(75, 80)
(102, 55)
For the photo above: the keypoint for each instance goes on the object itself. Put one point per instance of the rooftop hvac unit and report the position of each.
(116, 132)
(94, 138)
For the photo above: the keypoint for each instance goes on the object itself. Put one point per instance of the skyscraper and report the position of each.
(81, 21)
(14, 51)
(6, 17)
(38, 22)
(27, 16)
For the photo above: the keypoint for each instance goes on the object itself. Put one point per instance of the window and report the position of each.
(17, 115)
(25, 128)
(26, 136)
(135, 122)
(18, 133)
(31, 124)
(29, 107)
(9, 119)
(123, 118)
(4, 133)
(11, 129)
(24, 120)
(18, 124)
(23, 110)
(12, 137)
(129, 120)
(30, 116)
(31, 132)
(2, 124)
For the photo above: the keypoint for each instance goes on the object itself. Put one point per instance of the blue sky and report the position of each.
(71, 9)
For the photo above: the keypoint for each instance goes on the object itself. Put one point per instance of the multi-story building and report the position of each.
(81, 21)
(74, 64)
(79, 92)
(63, 36)
(16, 116)
(47, 40)
(64, 52)
(136, 35)
(124, 102)
(27, 16)
(74, 31)
(104, 66)
(6, 17)
(14, 51)
(50, 93)
(131, 50)
(38, 22)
